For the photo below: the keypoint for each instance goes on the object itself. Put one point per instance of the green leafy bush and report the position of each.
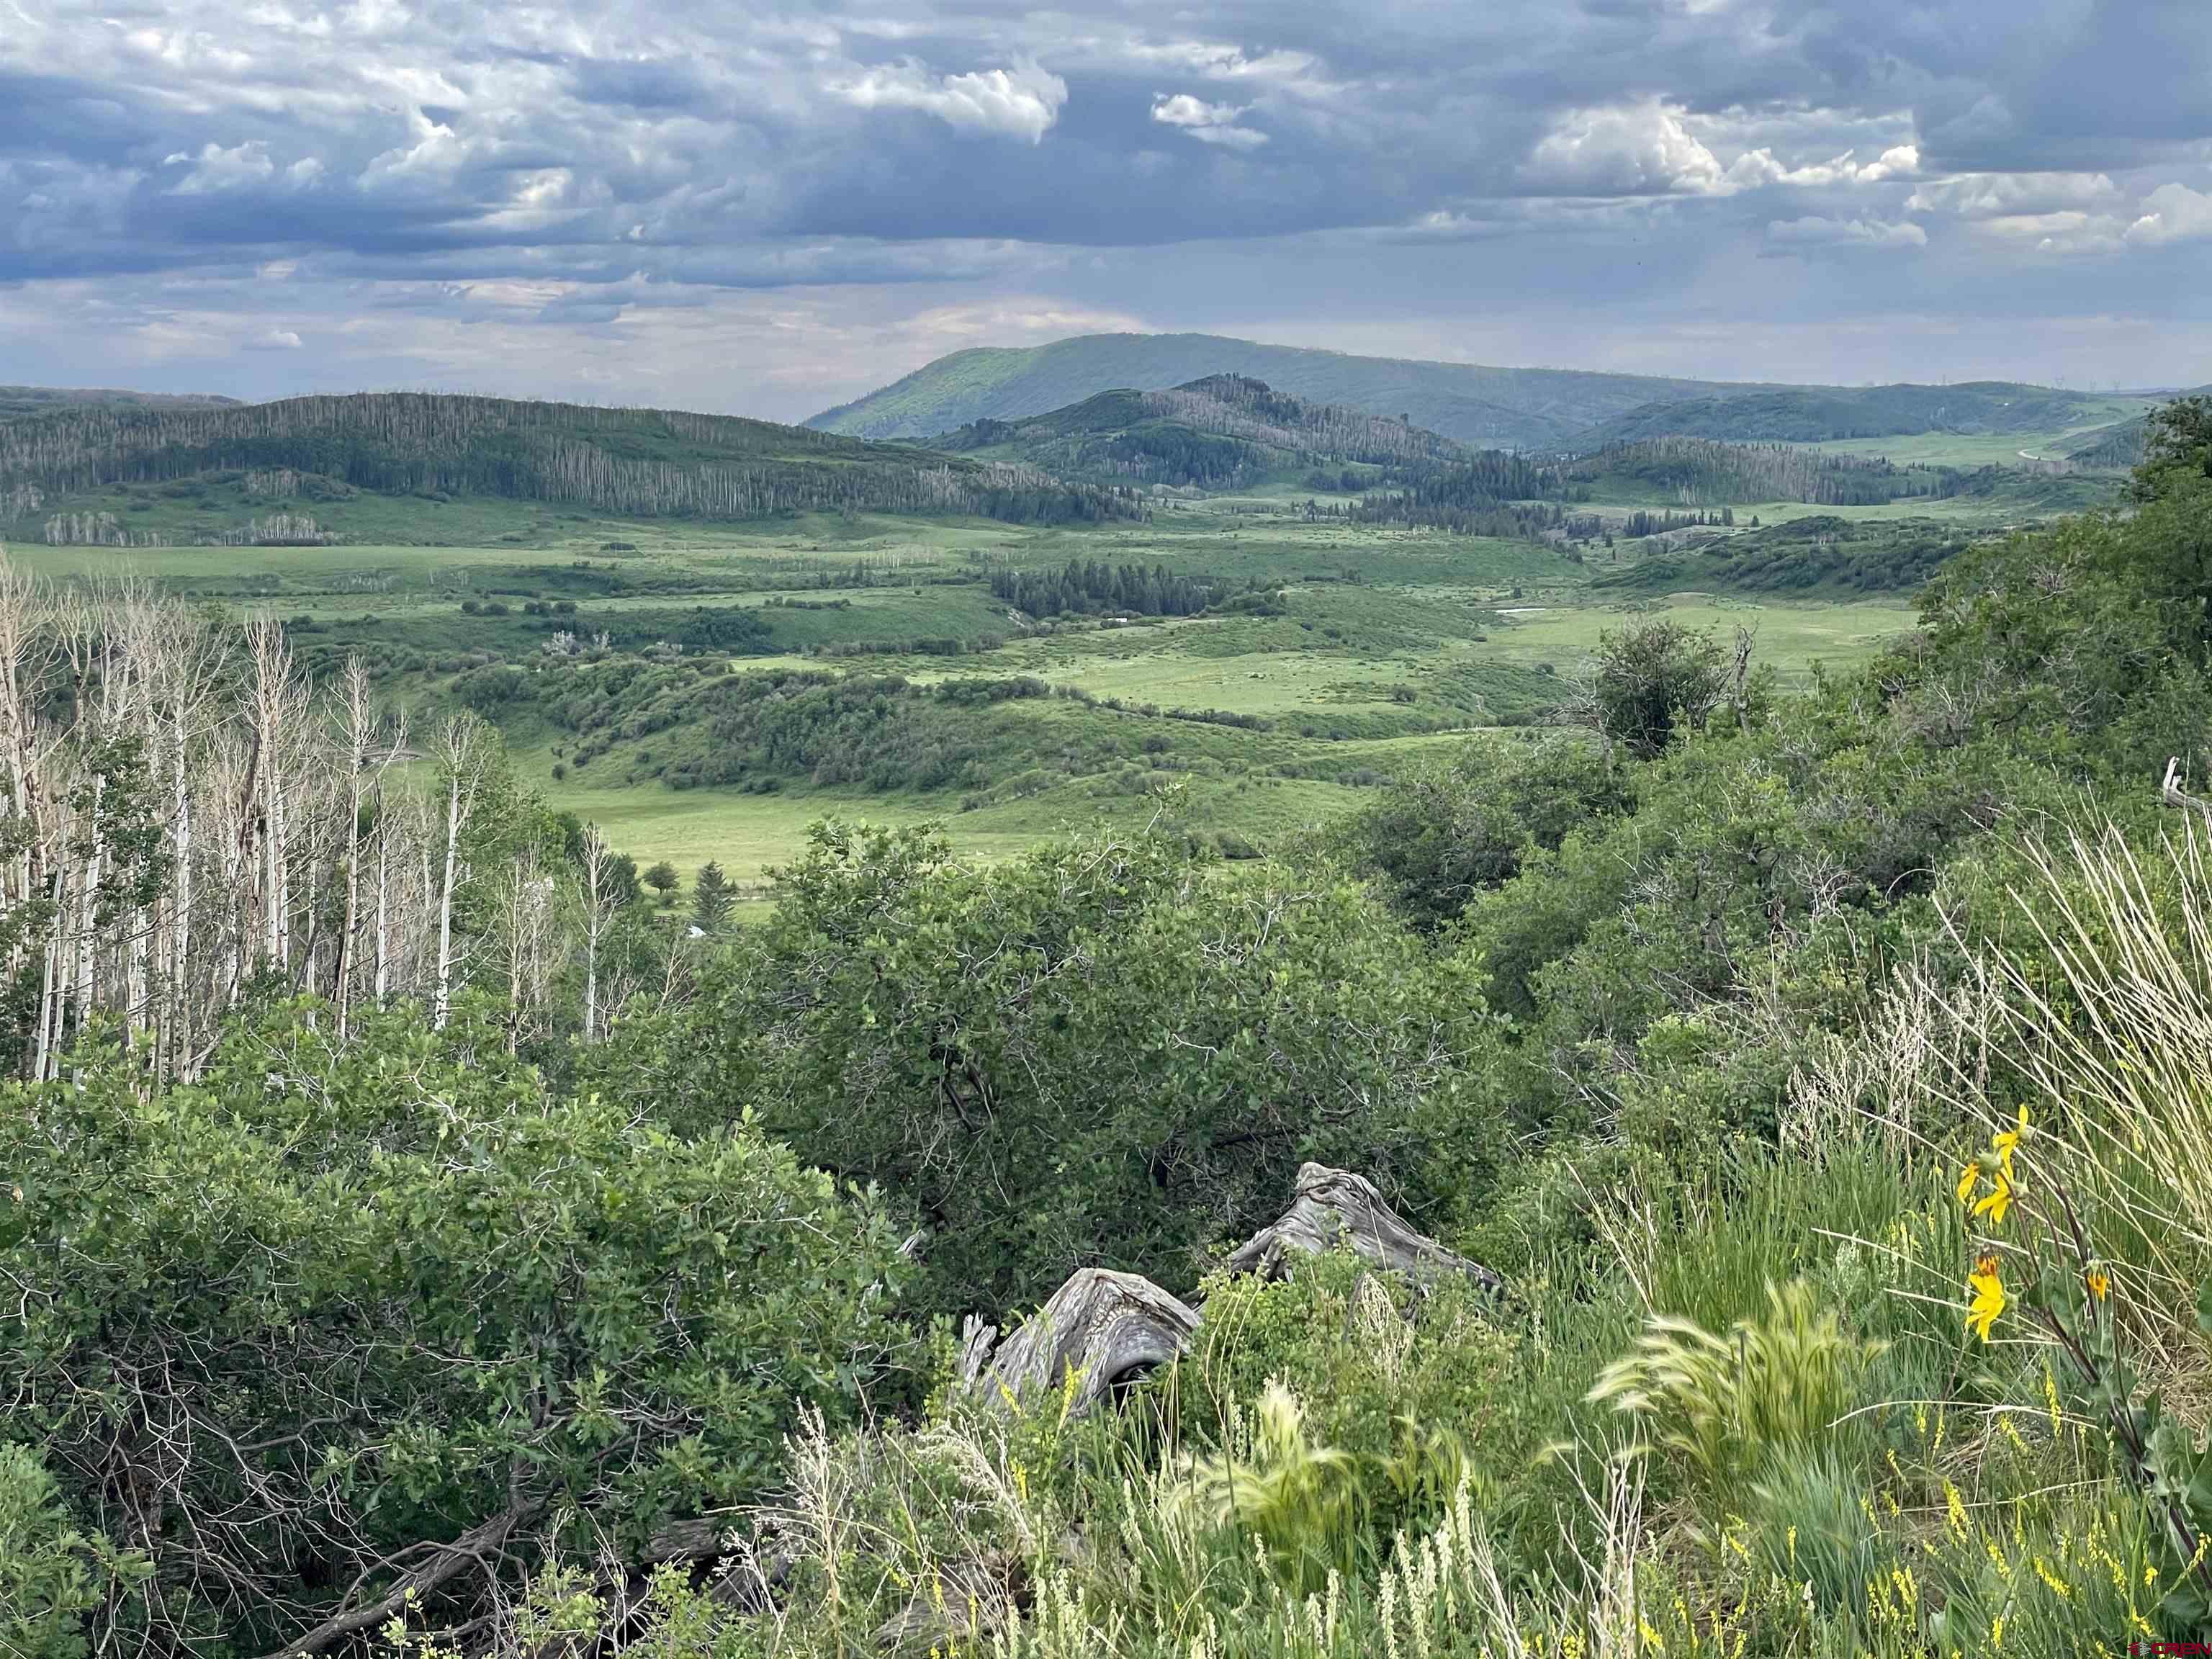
(53, 1576)
(1100, 1052)
(399, 1294)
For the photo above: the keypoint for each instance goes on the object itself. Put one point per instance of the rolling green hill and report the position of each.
(1821, 556)
(1701, 472)
(1225, 432)
(1513, 408)
(288, 471)
(1677, 471)
(2118, 445)
(17, 401)
(1818, 414)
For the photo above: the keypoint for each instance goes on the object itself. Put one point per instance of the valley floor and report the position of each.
(1378, 643)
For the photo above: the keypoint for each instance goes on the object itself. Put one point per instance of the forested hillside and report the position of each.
(1699, 472)
(17, 400)
(1815, 414)
(1723, 1176)
(2118, 446)
(1495, 492)
(1821, 555)
(1225, 432)
(77, 473)
(1515, 408)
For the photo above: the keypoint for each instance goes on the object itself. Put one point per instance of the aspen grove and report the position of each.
(186, 822)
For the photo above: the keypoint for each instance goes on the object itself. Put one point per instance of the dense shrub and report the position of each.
(284, 1325)
(1098, 1052)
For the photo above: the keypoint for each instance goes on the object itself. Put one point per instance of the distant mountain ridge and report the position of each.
(1225, 432)
(16, 401)
(1815, 414)
(1528, 409)
(70, 471)
(1507, 408)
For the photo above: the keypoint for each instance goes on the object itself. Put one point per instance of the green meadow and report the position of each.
(1358, 651)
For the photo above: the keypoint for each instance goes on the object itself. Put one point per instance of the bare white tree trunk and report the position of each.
(274, 694)
(27, 816)
(178, 1020)
(527, 903)
(383, 901)
(49, 1000)
(461, 753)
(598, 869)
(240, 889)
(443, 1007)
(87, 937)
(358, 716)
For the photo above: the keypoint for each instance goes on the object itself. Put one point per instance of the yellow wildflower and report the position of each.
(1995, 1202)
(2004, 1144)
(1969, 1178)
(2100, 1283)
(1989, 1296)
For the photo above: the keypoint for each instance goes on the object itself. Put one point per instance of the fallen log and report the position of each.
(1330, 1207)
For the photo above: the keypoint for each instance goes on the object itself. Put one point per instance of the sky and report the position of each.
(766, 208)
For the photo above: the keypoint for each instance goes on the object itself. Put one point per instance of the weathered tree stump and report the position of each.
(1109, 1329)
(1335, 1206)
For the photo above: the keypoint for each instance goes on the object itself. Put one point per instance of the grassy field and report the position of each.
(1990, 449)
(747, 835)
(1793, 637)
(1374, 647)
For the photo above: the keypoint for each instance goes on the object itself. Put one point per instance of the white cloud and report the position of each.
(2009, 195)
(1442, 225)
(275, 339)
(1185, 110)
(1814, 231)
(1632, 149)
(1898, 162)
(1655, 148)
(1021, 102)
(1756, 167)
(1208, 59)
(1210, 124)
(2055, 213)
(216, 168)
(2039, 226)
(2173, 213)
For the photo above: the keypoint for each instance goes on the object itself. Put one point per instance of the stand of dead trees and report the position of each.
(186, 822)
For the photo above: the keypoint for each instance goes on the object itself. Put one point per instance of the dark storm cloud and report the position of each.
(611, 155)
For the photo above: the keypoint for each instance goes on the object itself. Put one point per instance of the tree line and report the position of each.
(636, 463)
(1088, 586)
